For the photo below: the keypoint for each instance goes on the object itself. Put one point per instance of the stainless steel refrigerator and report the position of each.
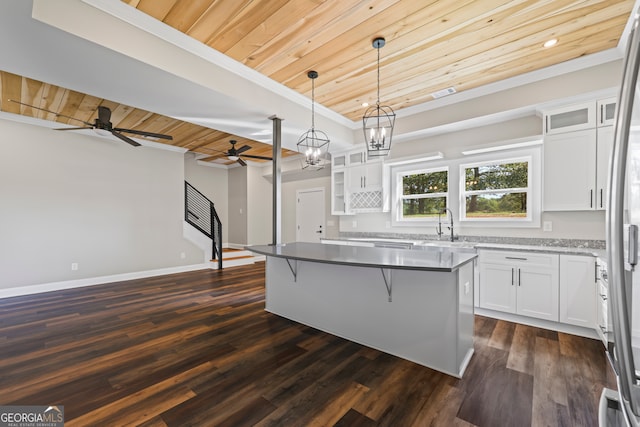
(622, 407)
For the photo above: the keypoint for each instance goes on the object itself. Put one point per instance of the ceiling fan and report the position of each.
(103, 123)
(235, 154)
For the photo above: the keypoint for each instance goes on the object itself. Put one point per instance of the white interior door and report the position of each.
(310, 215)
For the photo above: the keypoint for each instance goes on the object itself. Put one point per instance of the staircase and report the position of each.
(200, 213)
(234, 257)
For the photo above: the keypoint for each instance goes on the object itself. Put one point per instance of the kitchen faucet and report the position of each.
(439, 228)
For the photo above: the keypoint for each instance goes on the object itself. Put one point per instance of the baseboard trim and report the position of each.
(100, 280)
(539, 323)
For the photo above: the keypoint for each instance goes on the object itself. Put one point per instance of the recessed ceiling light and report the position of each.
(365, 104)
(550, 43)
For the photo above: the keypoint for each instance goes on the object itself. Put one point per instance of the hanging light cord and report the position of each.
(313, 96)
(378, 101)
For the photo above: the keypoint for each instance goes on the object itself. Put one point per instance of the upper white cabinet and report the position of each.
(522, 283)
(339, 198)
(569, 119)
(576, 156)
(578, 290)
(338, 160)
(356, 182)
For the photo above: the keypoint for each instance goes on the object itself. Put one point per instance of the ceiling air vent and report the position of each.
(443, 92)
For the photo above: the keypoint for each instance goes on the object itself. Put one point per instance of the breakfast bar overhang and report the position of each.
(414, 304)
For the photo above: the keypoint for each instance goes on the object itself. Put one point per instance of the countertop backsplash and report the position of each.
(527, 241)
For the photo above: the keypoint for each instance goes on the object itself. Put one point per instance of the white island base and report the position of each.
(419, 315)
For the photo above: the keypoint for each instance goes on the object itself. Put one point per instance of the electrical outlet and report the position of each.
(74, 266)
(547, 226)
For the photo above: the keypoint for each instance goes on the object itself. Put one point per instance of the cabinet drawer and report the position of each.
(528, 258)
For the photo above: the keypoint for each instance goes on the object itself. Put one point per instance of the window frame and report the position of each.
(398, 196)
(532, 219)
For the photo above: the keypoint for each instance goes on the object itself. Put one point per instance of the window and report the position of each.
(423, 193)
(496, 190)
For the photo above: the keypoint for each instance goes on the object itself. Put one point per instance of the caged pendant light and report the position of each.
(313, 144)
(378, 121)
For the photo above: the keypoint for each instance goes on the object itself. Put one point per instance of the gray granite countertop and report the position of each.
(561, 246)
(429, 259)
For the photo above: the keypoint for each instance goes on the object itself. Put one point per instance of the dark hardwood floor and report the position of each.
(198, 349)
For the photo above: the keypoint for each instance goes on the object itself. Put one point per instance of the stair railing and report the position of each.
(201, 214)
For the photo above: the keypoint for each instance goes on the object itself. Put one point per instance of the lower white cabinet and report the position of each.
(523, 283)
(578, 290)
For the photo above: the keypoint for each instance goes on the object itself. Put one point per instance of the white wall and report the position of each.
(237, 224)
(70, 198)
(566, 225)
(289, 190)
(259, 206)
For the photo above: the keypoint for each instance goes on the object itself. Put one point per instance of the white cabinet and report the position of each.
(356, 183)
(576, 162)
(521, 283)
(578, 290)
(366, 176)
(338, 160)
(569, 119)
(339, 194)
(570, 171)
(606, 111)
(604, 150)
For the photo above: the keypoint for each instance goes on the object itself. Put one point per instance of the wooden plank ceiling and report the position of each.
(65, 102)
(431, 45)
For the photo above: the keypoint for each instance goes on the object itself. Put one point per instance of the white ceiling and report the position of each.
(109, 50)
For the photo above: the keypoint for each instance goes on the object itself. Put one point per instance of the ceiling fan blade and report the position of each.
(243, 149)
(242, 162)
(257, 157)
(75, 128)
(104, 114)
(52, 112)
(125, 138)
(143, 133)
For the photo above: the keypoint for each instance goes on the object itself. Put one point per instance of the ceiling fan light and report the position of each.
(234, 158)
(313, 144)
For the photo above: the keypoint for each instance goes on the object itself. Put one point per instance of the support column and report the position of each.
(277, 181)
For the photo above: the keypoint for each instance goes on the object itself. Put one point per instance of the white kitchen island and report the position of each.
(414, 304)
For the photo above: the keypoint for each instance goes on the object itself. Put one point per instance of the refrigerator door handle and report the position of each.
(631, 245)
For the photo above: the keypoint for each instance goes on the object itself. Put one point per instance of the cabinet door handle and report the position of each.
(512, 275)
(601, 113)
(546, 124)
(365, 181)
(591, 198)
(519, 277)
(515, 257)
(601, 198)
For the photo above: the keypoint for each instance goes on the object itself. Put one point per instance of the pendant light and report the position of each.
(378, 121)
(313, 144)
